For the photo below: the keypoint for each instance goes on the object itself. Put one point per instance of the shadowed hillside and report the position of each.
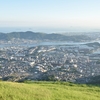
(42, 36)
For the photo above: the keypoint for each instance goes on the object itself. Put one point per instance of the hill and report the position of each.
(42, 36)
(94, 44)
(48, 91)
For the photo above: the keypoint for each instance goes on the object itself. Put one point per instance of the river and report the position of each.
(45, 43)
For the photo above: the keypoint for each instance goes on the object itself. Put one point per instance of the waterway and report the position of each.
(44, 43)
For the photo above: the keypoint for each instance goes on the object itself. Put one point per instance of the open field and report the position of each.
(48, 91)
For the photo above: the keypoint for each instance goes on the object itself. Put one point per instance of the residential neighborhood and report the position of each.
(50, 62)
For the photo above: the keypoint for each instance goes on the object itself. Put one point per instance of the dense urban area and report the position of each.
(74, 62)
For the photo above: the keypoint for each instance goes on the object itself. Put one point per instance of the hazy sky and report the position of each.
(50, 14)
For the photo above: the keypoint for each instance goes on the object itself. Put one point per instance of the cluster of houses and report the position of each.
(57, 62)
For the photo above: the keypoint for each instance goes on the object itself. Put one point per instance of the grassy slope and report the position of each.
(48, 91)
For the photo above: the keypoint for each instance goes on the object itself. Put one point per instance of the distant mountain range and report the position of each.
(42, 36)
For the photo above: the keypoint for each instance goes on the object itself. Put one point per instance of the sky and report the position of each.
(50, 15)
